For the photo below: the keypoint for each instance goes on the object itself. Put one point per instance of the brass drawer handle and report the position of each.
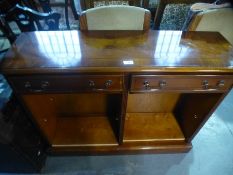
(205, 84)
(91, 83)
(161, 85)
(27, 85)
(221, 84)
(107, 84)
(44, 84)
(146, 84)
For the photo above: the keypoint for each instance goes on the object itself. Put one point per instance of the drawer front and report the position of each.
(69, 83)
(152, 83)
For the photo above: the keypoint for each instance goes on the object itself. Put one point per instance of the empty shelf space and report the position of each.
(152, 127)
(84, 131)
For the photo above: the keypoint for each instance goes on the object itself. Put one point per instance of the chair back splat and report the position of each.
(27, 19)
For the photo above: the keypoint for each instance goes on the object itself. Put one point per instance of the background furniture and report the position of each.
(25, 18)
(119, 92)
(76, 10)
(213, 20)
(115, 18)
(94, 3)
(77, 6)
(37, 5)
(162, 5)
(22, 148)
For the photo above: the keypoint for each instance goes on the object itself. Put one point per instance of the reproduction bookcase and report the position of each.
(119, 92)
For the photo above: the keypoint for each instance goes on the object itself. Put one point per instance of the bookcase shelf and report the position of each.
(152, 127)
(84, 131)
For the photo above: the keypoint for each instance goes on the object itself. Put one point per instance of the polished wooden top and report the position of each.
(125, 51)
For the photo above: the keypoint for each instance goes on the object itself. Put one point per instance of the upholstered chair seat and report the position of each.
(116, 17)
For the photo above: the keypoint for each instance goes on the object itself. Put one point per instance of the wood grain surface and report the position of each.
(125, 51)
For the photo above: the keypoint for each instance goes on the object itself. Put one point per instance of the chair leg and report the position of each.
(66, 14)
(145, 3)
(76, 12)
(5, 28)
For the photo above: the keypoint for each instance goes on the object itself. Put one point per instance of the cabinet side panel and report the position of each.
(43, 112)
(193, 109)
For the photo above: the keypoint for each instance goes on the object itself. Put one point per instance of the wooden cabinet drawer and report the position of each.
(152, 83)
(67, 83)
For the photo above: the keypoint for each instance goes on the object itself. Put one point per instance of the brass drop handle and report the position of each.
(205, 84)
(38, 153)
(91, 83)
(108, 83)
(27, 84)
(44, 84)
(221, 84)
(146, 84)
(162, 84)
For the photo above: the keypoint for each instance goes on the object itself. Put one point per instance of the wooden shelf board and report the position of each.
(152, 127)
(84, 132)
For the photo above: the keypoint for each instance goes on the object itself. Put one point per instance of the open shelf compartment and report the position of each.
(84, 131)
(77, 120)
(152, 127)
(166, 118)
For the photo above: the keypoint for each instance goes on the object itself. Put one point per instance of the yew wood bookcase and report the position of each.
(114, 92)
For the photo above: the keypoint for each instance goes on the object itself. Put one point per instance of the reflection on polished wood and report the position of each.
(126, 51)
(119, 92)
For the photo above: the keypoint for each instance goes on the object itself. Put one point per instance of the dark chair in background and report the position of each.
(22, 148)
(25, 18)
(38, 5)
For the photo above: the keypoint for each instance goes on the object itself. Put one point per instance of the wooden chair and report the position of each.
(77, 6)
(86, 4)
(26, 20)
(217, 18)
(115, 18)
(38, 5)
